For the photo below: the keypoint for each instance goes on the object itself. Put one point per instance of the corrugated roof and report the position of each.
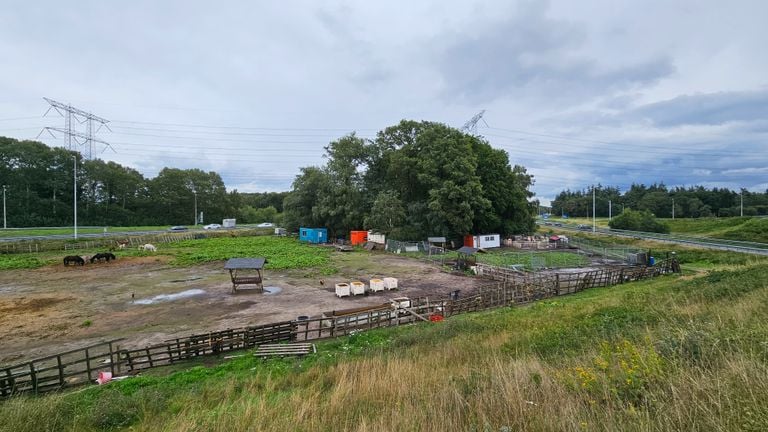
(245, 263)
(436, 239)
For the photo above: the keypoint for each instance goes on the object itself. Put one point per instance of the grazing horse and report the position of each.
(148, 247)
(73, 259)
(104, 256)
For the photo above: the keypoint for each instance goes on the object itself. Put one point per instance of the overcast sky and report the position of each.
(579, 92)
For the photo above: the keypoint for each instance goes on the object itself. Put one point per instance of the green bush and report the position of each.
(638, 221)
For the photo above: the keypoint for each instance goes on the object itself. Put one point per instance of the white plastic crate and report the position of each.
(377, 285)
(390, 283)
(342, 289)
(358, 288)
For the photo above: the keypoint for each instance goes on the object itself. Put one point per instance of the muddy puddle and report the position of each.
(170, 297)
(271, 290)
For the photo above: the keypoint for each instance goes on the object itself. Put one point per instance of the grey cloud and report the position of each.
(705, 109)
(531, 55)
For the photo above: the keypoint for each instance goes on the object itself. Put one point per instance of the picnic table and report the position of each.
(246, 271)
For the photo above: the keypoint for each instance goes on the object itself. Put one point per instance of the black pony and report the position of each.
(74, 260)
(106, 256)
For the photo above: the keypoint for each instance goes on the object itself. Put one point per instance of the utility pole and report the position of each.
(5, 225)
(75, 192)
(71, 113)
(195, 192)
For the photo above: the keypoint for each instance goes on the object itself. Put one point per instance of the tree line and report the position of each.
(413, 180)
(658, 199)
(39, 183)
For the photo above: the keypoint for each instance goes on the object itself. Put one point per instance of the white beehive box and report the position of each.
(377, 285)
(390, 283)
(358, 288)
(342, 289)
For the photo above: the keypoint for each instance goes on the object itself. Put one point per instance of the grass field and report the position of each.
(674, 353)
(283, 253)
(550, 259)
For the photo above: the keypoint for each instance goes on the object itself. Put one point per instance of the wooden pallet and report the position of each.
(283, 350)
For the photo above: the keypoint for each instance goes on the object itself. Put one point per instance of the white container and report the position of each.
(390, 283)
(358, 288)
(377, 285)
(342, 290)
(228, 223)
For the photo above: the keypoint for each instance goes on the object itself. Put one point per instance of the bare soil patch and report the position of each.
(57, 308)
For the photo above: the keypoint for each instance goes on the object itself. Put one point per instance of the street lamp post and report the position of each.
(195, 192)
(594, 224)
(75, 193)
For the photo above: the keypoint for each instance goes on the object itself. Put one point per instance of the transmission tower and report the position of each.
(71, 114)
(471, 125)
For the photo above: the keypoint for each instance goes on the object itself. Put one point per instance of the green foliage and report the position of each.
(638, 221)
(528, 259)
(23, 261)
(281, 252)
(40, 183)
(415, 179)
(251, 215)
(621, 370)
(691, 202)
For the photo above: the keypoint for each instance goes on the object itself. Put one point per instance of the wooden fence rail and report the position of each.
(60, 370)
(510, 288)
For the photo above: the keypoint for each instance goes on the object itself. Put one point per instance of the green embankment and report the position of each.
(743, 229)
(674, 353)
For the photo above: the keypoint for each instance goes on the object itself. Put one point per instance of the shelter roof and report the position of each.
(245, 263)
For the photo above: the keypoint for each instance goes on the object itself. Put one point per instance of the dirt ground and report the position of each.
(57, 308)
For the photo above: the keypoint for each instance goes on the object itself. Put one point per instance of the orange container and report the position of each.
(358, 237)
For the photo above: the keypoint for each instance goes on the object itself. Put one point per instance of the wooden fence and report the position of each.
(110, 241)
(511, 288)
(54, 372)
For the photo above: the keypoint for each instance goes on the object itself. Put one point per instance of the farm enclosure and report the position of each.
(52, 309)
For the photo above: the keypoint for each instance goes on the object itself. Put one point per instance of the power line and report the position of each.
(242, 127)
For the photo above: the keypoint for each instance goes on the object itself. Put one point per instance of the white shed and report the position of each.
(483, 241)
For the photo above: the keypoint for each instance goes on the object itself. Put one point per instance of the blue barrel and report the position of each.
(652, 261)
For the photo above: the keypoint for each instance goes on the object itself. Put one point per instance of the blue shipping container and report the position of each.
(313, 235)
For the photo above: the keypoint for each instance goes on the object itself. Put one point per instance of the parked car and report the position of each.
(177, 228)
(584, 227)
(212, 226)
(266, 225)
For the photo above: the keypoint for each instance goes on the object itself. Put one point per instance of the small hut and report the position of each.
(246, 271)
